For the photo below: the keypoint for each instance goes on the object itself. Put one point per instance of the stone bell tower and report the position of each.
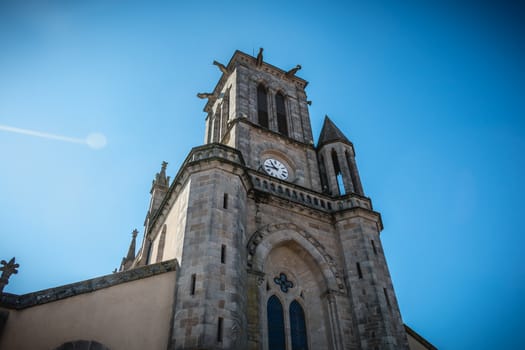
(277, 244)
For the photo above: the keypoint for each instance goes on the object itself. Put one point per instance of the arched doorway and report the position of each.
(82, 345)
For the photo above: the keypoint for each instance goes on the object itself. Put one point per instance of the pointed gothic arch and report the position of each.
(161, 244)
(262, 241)
(82, 344)
(284, 257)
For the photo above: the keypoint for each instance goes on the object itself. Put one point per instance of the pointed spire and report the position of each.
(127, 261)
(330, 133)
(160, 178)
(131, 250)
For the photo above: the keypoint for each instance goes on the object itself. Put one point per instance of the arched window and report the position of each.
(262, 106)
(324, 179)
(282, 123)
(209, 128)
(298, 327)
(149, 245)
(217, 125)
(353, 173)
(338, 174)
(162, 242)
(225, 113)
(276, 340)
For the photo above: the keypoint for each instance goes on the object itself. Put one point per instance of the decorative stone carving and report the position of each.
(260, 235)
(222, 67)
(204, 95)
(260, 57)
(7, 269)
(292, 71)
(283, 282)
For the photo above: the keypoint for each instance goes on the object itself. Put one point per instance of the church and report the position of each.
(263, 240)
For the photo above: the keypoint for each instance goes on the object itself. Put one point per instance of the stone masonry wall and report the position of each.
(211, 284)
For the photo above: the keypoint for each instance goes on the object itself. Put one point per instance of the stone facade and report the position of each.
(242, 227)
(289, 261)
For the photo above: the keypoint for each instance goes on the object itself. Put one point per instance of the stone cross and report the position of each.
(283, 282)
(7, 269)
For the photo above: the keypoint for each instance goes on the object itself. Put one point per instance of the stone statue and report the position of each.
(260, 57)
(7, 269)
(222, 67)
(292, 71)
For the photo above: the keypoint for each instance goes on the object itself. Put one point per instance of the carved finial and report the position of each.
(128, 259)
(222, 67)
(292, 71)
(160, 178)
(7, 269)
(260, 57)
(204, 95)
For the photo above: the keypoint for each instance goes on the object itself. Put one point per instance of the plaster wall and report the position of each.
(175, 227)
(127, 316)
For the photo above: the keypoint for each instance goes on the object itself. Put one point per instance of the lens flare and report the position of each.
(94, 140)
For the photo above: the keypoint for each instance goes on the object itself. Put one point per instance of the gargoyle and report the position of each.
(205, 95)
(292, 71)
(222, 67)
(260, 57)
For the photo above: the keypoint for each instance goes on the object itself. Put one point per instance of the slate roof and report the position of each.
(330, 133)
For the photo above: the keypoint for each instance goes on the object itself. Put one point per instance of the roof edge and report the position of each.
(419, 338)
(14, 301)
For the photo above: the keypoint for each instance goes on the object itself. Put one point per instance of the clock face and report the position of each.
(275, 168)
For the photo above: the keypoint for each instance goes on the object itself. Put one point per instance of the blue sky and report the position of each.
(432, 96)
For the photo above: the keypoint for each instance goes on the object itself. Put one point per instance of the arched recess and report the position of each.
(162, 242)
(82, 345)
(284, 253)
(262, 241)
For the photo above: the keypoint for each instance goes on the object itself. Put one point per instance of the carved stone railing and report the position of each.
(298, 194)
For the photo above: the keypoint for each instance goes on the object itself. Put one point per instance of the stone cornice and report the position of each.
(18, 302)
(241, 58)
(216, 155)
(200, 158)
